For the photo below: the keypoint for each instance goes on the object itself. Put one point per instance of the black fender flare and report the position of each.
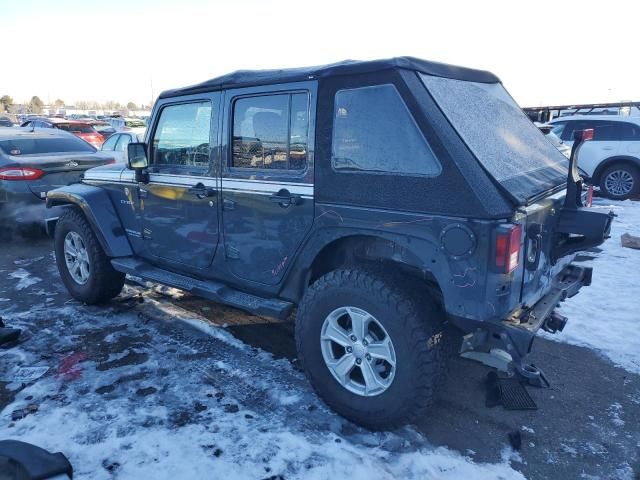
(98, 209)
(610, 161)
(417, 252)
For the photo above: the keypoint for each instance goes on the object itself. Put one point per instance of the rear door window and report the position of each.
(270, 132)
(374, 132)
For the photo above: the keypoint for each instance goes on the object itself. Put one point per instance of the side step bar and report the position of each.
(208, 289)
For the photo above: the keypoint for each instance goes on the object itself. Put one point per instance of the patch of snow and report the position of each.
(614, 412)
(5, 299)
(25, 279)
(509, 455)
(25, 262)
(606, 315)
(528, 429)
(214, 411)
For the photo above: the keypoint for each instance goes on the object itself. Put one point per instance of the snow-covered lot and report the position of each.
(154, 389)
(606, 317)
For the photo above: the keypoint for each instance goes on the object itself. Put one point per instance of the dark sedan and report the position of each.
(34, 161)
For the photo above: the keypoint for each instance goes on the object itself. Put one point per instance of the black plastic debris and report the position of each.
(515, 439)
(508, 392)
(8, 335)
(23, 461)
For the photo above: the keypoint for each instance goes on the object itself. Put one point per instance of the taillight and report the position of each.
(20, 173)
(508, 249)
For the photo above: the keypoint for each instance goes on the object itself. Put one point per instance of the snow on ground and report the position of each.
(131, 395)
(606, 315)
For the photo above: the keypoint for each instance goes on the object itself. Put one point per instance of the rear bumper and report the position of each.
(515, 335)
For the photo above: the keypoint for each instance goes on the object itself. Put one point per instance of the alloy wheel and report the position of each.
(76, 258)
(358, 351)
(619, 183)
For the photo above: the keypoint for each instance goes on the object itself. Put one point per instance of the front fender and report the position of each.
(96, 205)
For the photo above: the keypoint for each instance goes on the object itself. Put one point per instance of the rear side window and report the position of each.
(76, 127)
(629, 132)
(181, 138)
(110, 144)
(374, 132)
(44, 146)
(270, 132)
(123, 141)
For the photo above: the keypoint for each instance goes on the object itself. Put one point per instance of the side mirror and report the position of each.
(137, 160)
(137, 156)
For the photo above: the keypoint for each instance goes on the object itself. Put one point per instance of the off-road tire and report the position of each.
(413, 326)
(632, 170)
(104, 281)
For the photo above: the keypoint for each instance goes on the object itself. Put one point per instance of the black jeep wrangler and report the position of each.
(388, 200)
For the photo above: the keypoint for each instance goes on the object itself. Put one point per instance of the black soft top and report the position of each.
(247, 78)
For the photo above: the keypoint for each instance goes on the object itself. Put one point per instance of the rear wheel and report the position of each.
(84, 268)
(620, 181)
(370, 350)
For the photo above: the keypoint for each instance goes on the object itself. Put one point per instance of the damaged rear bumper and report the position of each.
(505, 344)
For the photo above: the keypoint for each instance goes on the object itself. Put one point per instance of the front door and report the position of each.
(267, 181)
(179, 205)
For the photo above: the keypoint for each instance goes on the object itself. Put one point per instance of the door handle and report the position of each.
(285, 198)
(200, 191)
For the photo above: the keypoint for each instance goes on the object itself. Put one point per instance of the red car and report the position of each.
(79, 129)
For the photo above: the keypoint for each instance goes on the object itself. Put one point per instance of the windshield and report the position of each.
(43, 146)
(511, 148)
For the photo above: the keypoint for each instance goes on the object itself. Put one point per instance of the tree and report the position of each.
(82, 105)
(35, 105)
(59, 103)
(5, 102)
(132, 106)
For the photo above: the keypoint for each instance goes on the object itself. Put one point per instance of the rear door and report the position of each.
(267, 180)
(630, 138)
(179, 205)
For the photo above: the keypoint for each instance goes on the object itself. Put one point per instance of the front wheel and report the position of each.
(369, 349)
(84, 267)
(620, 181)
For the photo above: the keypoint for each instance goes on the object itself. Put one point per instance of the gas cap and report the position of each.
(457, 240)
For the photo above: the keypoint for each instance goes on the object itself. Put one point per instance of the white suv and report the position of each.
(612, 159)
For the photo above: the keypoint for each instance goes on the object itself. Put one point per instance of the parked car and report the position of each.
(612, 159)
(5, 122)
(546, 129)
(34, 161)
(103, 128)
(387, 199)
(117, 144)
(131, 124)
(79, 128)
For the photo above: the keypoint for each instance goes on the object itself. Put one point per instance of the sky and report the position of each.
(545, 52)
